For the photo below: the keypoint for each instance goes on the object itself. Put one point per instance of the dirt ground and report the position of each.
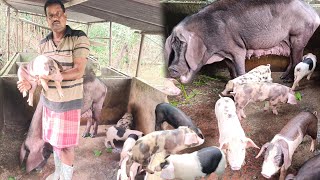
(259, 125)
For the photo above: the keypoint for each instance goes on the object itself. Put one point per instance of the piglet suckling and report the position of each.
(35, 69)
(231, 135)
(255, 92)
(304, 68)
(279, 151)
(164, 143)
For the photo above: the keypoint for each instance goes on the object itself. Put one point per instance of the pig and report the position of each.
(34, 151)
(310, 170)
(255, 92)
(237, 30)
(127, 146)
(94, 94)
(197, 164)
(126, 121)
(279, 152)
(119, 134)
(231, 135)
(175, 117)
(164, 143)
(133, 170)
(304, 68)
(40, 66)
(261, 73)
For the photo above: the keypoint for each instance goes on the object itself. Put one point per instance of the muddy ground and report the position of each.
(259, 125)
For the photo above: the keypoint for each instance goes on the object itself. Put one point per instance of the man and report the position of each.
(61, 116)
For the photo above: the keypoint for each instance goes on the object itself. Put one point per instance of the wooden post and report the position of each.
(88, 27)
(110, 44)
(17, 31)
(8, 33)
(139, 55)
(21, 36)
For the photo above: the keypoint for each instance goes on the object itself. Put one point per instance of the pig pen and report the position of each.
(93, 160)
(260, 125)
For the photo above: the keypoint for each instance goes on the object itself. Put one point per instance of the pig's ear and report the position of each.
(291, 98)
(190, 138)
(250, 143)
(168, 172)
(59, 65)
(195, 50)
(168, 49)
(224, 145)
(286, 158)
(263, 148)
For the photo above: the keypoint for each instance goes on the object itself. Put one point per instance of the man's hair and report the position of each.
(51, 2)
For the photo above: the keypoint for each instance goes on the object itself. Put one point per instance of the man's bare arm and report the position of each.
(77, 71)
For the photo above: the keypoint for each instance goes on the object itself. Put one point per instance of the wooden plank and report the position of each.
(73, 3)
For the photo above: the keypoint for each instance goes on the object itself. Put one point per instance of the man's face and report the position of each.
(56, 18)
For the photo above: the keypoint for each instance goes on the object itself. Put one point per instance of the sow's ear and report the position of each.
(190, 138)
(250, 143)
(195, 49)
(263, 148)
(168, 49)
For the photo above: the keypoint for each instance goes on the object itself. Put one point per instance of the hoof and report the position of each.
(86, 135)
(92, 135)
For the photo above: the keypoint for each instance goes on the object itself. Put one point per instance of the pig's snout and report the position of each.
(235, 168)
(266, 176)
(174, 72)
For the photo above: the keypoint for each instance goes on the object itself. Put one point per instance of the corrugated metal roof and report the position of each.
(144, 15)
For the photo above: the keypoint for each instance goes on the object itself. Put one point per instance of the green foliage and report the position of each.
(11, 178)
(174, 103)
(97, 152)
(203, 80)
(109, 150)
(190, 95)
(298, 96)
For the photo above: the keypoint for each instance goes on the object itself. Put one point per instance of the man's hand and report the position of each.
(23, 85)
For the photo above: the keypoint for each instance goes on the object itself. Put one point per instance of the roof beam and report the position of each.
(5, 2)
(73, 3)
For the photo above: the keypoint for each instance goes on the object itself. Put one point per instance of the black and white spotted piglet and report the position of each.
(197, 164)
(304, 68)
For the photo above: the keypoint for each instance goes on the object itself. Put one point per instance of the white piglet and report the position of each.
(231, 135)
(304, 68)
(127, 146)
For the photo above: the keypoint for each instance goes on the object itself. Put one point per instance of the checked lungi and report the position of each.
(61, 129)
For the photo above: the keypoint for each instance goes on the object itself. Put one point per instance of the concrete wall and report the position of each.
(16, 112)
(116, 101)
(142, 103)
